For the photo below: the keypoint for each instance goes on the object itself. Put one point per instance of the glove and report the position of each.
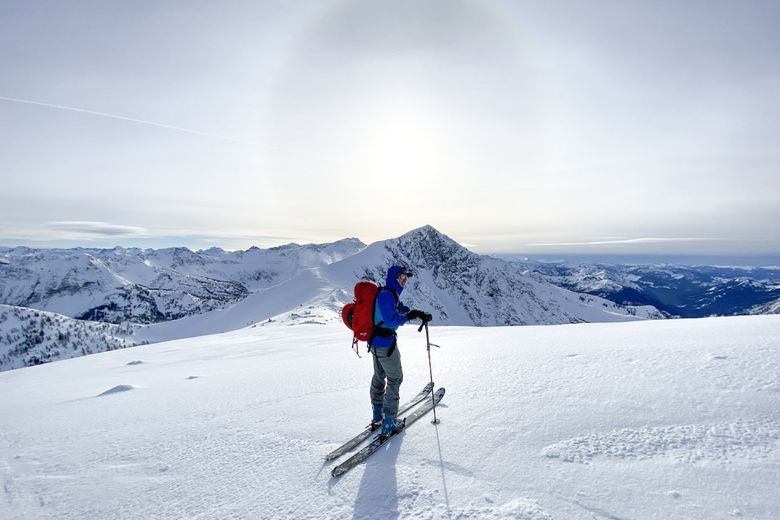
(414, 314)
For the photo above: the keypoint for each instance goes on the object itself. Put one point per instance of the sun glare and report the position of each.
(401, 144)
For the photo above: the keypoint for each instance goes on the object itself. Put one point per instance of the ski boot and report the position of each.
(390, 426)
(376, 420)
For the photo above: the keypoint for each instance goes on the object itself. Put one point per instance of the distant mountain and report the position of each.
(148, 286)
(679, 291)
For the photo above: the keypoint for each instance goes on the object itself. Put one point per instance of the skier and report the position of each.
(389, 314)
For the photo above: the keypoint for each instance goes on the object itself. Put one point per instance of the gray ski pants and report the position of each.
(387, 368)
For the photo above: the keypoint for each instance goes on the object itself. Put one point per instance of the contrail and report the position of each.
(122, 118)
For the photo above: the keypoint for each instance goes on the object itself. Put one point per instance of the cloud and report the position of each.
(79, 233)
(97, 229)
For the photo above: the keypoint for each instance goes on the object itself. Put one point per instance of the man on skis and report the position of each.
(389, 314)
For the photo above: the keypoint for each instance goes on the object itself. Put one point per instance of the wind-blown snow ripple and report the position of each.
(720, 442)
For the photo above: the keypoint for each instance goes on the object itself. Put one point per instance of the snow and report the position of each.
(650, 419)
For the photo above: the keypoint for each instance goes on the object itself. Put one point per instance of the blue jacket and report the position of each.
(387, 310)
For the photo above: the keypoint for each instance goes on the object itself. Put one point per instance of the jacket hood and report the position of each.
(392, 279)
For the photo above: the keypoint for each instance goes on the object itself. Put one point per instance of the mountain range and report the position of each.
(678, 291)
(157, 295)
(146, 285)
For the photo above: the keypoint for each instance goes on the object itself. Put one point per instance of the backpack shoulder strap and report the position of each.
(391, 291)
(395, 296)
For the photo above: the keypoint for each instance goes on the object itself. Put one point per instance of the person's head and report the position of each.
(397, 277)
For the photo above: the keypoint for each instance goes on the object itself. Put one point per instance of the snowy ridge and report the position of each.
(767, 308)
(31, 337)
(673, 419)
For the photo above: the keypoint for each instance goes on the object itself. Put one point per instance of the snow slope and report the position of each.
(638, 420)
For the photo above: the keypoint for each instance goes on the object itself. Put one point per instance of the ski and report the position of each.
(366, 433)
(379, 440)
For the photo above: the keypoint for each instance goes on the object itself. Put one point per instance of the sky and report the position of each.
(561, 127)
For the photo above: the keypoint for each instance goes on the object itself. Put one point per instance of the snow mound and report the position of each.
(719, 442)
(118, 389)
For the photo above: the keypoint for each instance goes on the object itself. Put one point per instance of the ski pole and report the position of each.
(430, 368)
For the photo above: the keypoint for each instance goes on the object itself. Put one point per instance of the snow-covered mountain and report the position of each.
(661, 419)
(297, 284)
(460, 287)
(31, 337)
(457, 286)
(148, 286)
(772, 307)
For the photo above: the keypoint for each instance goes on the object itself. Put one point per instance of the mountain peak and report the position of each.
(430, 237)
(426, 232)
(354, 241)
(426, 247)
(427, 229)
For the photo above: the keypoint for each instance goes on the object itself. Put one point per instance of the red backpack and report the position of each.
(358, 316)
